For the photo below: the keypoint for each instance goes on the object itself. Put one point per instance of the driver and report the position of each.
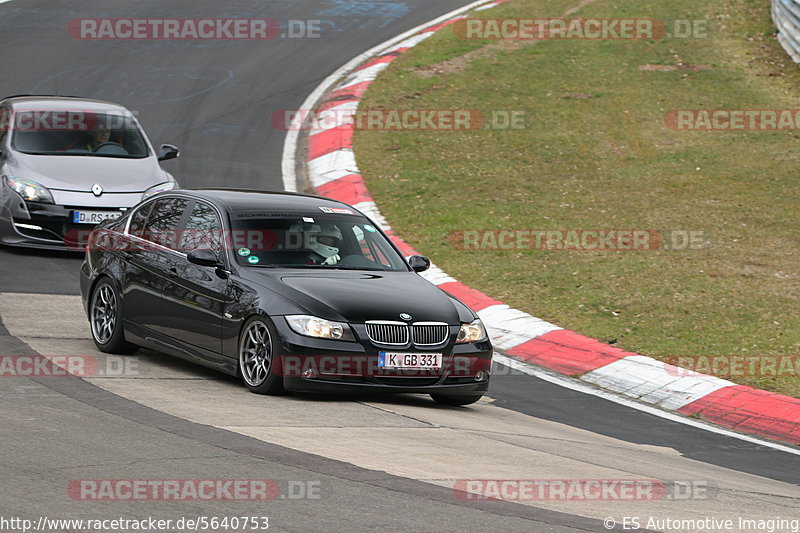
(324, 245)
(100, 135)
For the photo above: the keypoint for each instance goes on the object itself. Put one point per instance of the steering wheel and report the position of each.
(108, 143)
(110, 147)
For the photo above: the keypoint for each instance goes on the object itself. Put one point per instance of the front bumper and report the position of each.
(342, 387)
(45, 226)
(318, 365)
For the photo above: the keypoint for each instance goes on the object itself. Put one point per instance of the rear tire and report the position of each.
(258, 351)
(465, 399)
(105, 319)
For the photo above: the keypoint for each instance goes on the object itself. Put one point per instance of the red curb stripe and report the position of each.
(333, 103)
(377, 61)
(349, 189)
(472, 297)
(568, 352)
(440, 26)
(348, 94)
(750, 410)
(329, 141)
(404, 247)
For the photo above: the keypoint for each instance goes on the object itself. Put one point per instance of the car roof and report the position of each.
(59, 103)
(247, 199)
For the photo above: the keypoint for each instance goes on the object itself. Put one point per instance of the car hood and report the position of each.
(359, 296)
(79, 173)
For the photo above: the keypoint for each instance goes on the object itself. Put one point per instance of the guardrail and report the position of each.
(786, 15)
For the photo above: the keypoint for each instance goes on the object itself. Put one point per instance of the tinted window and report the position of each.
(139, 218)
(312, 241)
(75, 132)
(368, 245)
(203, 229)
(162, 225)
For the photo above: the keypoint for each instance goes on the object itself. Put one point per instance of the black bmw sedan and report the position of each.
(288, 291)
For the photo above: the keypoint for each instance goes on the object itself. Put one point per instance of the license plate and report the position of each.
(93, 217)
(409, 360)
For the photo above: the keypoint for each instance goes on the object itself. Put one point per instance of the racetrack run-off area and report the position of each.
(394, 463)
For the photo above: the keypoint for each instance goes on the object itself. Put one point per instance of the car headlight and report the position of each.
(30, 190)
(472, 332)
(161, 187)
(312, 326)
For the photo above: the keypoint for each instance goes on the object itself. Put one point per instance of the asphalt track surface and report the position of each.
(176, 421)
(213, 99)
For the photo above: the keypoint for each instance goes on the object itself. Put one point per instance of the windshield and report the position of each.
(312, 241)
(77, 133)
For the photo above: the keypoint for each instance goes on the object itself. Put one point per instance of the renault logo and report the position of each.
(97, 190)
(405, 316)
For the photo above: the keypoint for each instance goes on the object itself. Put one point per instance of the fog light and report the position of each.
(28, 226)
(308, 373)
(482, 376)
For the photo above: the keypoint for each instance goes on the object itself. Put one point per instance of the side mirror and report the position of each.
(167, 151)
(205, 258)
(419, 263)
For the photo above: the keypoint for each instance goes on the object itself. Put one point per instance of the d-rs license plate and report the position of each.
(93, 217)
(396, 360)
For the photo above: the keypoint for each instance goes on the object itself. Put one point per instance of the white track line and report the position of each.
(578, 386)
(290, 144)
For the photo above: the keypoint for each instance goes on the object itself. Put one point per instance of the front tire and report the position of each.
(105, 318)
(456, 400)
(258, 353)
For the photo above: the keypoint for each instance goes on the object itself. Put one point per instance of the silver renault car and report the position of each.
(68, 163)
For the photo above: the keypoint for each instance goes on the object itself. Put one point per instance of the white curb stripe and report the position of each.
(332, 166)
(360, 76)
(408, 43)
(488, 6)
(334, 117)
(436, 275)
(510, 327)
(371, 210)
(654, 382)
